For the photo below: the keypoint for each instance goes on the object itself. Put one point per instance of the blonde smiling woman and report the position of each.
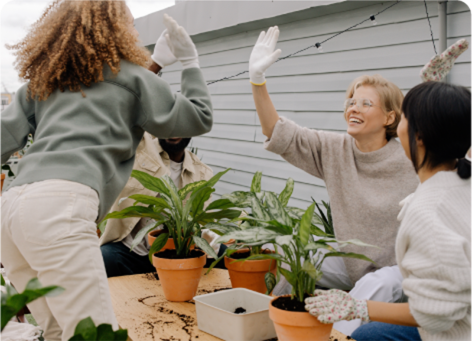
(88, 101)
(366, 174)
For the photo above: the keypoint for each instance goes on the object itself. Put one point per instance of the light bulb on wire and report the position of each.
(372, 18)
(319, 47)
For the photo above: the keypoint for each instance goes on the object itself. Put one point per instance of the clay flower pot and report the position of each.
(179, 277)
(298, 326)
(170, 242)
(250, 274)
(3, 179)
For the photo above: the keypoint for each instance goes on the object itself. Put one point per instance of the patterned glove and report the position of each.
(263, 55)
(440, 65)
(162, 55)
(336, 305)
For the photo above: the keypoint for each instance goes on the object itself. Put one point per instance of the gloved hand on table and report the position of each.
(335, 305)
(440, 65)
(180, 43)
(263, 55)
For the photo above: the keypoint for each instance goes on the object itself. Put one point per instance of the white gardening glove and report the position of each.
(162, 54)
(440, 65)
(180, 43)
(211, 238)
(336, 305)
(263, 55)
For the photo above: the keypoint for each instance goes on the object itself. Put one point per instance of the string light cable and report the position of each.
(430, 28)
(318, 45)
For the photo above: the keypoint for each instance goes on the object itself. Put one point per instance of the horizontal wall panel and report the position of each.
(275, 169)
(234, 132)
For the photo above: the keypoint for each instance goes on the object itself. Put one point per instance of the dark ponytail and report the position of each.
(463, 168)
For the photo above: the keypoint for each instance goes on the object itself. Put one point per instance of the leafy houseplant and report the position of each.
(184, 219)
(254, 232)
(13, 302)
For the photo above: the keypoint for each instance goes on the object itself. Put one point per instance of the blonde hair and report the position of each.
(391, 98)
(70, 44)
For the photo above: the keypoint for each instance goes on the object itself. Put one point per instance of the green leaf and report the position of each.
(285, 195)
(216, 261)
(199, 201)
(134, 211)
(347, 255)
(121, 335)
(86, 328)
(240, 199)
(256, 182)
(228, 214)
(276, 209)
(150, 182)
(289, 276)
(221, 228)
(220, 204)
(143, 233)
(318, 245)
(284, 240)
(212, 182)
(105, 333)
(270, 282)
(150, 200)
(2, 280)
(354, 242)
(317, 231)
(311, 270)
(250, 235)
(190, 187)
(305, 225)
(257, 210)
(203, 244)
(158, 244)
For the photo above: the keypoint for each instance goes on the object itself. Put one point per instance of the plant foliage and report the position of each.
(86, 330)
(182, 211)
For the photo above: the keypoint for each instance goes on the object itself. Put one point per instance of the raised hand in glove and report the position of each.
(335, 305)
(440, 65)
(162, 54)
(180, 43)
(263, 55)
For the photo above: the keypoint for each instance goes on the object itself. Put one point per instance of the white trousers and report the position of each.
(49, 232)
(383, 285)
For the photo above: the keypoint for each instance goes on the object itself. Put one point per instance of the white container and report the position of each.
(215, 315)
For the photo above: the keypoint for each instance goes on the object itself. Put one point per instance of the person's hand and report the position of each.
(263, 55)
(440, 65)
(335, 305)
(180, 43)
(162, 54)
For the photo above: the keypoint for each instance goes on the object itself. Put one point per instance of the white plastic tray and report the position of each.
(215, 315)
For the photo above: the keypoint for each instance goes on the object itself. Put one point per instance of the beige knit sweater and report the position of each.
(433, 254)
(364, 188)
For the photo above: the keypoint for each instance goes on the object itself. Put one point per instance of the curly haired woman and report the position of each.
(88, 101)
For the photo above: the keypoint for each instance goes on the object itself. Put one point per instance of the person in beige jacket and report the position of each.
(156, 157)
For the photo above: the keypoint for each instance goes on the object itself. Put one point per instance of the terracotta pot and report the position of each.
(298, 326)
(250, 274)
(2, 179)
(170, 242)
(179, 277)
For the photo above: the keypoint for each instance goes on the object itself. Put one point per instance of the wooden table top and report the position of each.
(140, 307)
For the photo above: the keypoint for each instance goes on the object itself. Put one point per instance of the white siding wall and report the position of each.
(309, 88)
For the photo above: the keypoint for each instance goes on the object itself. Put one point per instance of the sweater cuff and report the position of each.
(282, 136)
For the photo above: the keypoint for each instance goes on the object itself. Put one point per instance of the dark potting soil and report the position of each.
(172, 254)
(240, 255)
(239, 310)
(286, 303)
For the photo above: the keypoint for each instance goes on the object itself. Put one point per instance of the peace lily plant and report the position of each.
(184, 218)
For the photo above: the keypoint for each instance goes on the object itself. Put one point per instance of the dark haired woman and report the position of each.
(88, 101)
(433, 242)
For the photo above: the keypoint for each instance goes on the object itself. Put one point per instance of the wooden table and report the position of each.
(140, 307)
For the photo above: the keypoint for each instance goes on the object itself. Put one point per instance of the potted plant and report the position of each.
(179, 269)
(295, 238)
(248, 272)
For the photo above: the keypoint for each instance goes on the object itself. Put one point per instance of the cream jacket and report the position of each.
(152, 159)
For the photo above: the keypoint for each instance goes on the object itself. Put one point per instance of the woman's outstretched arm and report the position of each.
(265, 109)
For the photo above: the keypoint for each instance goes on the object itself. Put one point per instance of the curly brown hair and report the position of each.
(70, 44)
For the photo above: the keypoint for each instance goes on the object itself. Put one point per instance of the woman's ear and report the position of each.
(390, 118)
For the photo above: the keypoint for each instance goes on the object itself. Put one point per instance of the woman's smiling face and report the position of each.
(370, 120)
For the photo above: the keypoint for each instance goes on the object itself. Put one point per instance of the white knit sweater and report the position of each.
(433, 254)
